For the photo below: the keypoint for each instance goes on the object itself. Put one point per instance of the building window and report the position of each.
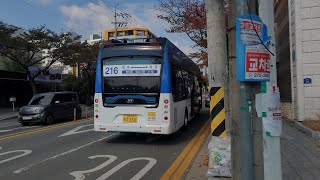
(119, 33)
(140, 33)
(129, 33)
(110, 34)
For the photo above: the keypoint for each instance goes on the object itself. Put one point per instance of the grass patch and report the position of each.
(315, 125)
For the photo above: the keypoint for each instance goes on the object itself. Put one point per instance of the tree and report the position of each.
(25, 48)
(187, 16)
(86, 54)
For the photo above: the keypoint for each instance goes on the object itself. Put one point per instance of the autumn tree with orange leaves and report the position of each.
(189, 16)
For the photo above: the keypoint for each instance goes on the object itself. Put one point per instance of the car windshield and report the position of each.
(41, 100)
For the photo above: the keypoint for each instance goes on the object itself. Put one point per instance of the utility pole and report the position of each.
(116, 23)
(271, 145)
(246, 134)
(218, 82)
(115, 20)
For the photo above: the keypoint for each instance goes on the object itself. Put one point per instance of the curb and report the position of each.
(306, 130)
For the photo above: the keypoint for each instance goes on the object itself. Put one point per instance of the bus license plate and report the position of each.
(130, 118)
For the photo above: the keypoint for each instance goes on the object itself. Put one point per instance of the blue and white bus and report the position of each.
(145, 86)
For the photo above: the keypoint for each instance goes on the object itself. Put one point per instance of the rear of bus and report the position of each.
(133, 89)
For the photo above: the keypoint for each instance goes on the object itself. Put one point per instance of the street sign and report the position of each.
(253, 59)
(307, 81)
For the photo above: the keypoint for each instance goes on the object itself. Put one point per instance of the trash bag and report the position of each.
(219, 157)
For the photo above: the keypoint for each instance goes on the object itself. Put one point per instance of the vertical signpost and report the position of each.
(254, 65)
(13, 100)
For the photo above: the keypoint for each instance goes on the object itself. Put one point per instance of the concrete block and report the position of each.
(311, 69)
(310, 35)
(312, 12)
(305, 13)
(309, 3)
(311, 58)
(311, 46)
(309, 103)
(311, 92)
(313, 23)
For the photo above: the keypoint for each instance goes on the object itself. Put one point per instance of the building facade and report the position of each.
(94, 38)
(304, 28)
(128, 33)
(281, 16)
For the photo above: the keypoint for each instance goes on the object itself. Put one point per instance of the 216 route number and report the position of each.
(111, 70)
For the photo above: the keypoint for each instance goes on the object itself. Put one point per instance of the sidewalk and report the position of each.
(6, 113)
(300, 157)
(300, 154)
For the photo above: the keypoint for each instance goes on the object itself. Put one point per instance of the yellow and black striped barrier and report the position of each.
(217, 112)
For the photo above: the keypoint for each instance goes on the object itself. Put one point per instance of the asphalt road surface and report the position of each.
(69, 150)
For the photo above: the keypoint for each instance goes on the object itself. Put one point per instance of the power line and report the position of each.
(121, 13)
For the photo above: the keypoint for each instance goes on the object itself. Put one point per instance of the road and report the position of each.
(71, 150)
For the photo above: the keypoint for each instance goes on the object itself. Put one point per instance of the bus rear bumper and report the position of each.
(153, 129)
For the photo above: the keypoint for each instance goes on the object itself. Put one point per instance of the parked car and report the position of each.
(47, 108)
(207, 100)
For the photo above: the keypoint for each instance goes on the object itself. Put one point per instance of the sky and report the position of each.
(87, 17)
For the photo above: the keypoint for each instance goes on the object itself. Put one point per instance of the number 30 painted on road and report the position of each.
(80, 175)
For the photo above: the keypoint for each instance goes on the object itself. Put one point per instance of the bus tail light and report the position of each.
(166, 118)
(96, 109)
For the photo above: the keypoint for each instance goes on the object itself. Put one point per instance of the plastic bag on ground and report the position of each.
(219, 157)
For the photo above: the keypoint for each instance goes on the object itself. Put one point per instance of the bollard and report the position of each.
(86, 113)
(74, 115)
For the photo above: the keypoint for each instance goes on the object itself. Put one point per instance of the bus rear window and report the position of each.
(137, 74)
(135, 84)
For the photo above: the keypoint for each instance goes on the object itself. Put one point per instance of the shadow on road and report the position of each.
(181, 136)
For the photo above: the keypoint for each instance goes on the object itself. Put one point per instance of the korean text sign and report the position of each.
(253, 59)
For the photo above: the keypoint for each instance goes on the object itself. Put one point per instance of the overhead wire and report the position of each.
(256, 30)
(111, 7)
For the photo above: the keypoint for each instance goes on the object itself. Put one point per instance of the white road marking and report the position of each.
(24, 153)
(139, 175)
(62, 154)
(8, 130)
(8, 124)
(76, 130)
(80, 175)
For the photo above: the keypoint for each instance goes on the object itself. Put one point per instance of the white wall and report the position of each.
(304, 20)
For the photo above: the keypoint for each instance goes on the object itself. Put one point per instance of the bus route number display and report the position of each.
(131, 70)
